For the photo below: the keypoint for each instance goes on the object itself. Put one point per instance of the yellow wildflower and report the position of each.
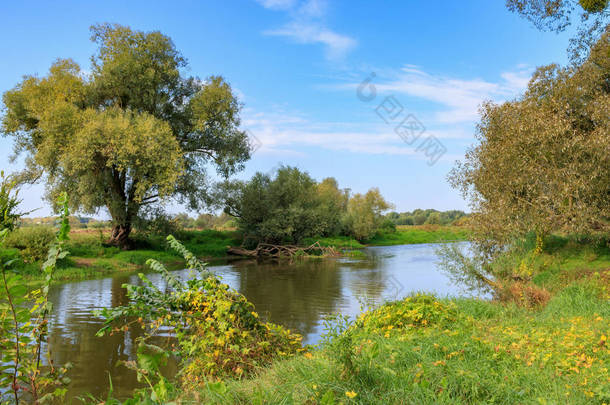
(350, 394)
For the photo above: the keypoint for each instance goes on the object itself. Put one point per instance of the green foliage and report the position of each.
(528, 265)
(554, 15)
(284, 209)
(8, 203)
(419, 310)
(158, 389)
(364, 214)
(292, 207)
(387, 226)
(156, 222)
(210, 221)
(416, 311)
(218, 332)
(593, 6)
(466, 269)
(339, 341)
(91, 257)
(280, 210)
(133, 132)
(24, 329)
(33, 242)
(184, 221)
(541, 164)
(332, 208)
(210, 242)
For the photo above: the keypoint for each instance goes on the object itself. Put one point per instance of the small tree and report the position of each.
(332, 207)
(365, 213)
(204, 221)
(292, 206)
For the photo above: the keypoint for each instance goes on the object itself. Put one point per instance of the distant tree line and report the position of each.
(426, 217)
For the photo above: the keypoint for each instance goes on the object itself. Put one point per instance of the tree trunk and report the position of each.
(120, 236)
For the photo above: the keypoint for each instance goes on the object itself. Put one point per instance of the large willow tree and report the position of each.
(131, 132)
(543, 161)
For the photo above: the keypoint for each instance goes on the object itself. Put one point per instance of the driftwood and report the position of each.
(278, 251)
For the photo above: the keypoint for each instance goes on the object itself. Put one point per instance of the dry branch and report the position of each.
(277, 251)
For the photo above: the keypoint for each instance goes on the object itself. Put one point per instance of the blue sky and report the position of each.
(297, 66)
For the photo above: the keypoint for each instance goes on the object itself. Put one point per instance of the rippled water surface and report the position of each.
(296, 295)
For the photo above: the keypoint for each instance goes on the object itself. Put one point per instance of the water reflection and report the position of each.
(72, 335)
(296, 295)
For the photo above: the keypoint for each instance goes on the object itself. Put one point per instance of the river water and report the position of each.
(296, 295)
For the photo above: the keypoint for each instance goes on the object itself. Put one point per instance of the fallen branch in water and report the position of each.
(278, 251)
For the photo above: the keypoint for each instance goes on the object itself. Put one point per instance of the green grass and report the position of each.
(416, 234)
(490, 354)
(209, 243)
(562, 259)
(468, 350)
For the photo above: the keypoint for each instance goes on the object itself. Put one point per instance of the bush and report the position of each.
(419, 310)
(225, 338)
(33, 242)
(527, 295)
(387, 226)
(219, 335)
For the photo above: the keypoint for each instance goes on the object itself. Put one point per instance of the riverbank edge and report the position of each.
(89, 259)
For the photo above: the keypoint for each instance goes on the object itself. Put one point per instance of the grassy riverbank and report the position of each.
(427, 351)
(90, 257)
(407, 235)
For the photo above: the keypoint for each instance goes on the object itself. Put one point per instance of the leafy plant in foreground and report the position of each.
(8, 203)
(219, 335)
(24, 329)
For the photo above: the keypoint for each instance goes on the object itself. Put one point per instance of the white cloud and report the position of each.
(306, 27)
(517, 80)
(461, 97)
(337, 46)
(282, 133)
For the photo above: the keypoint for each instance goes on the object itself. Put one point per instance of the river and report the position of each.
(296, 295)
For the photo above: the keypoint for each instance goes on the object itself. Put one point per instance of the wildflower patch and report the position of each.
(416, 311)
